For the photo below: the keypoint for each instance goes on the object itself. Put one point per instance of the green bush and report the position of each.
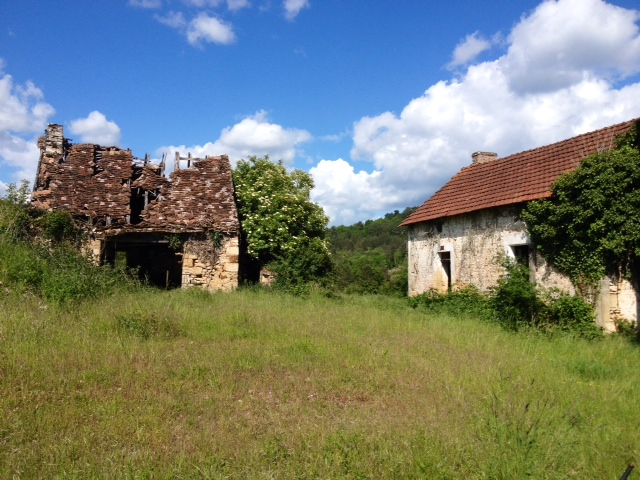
(59, 227)
(570, 313)
(308, 261)
(515, 300)
(39, 253)
(468, 301)
(515, 303)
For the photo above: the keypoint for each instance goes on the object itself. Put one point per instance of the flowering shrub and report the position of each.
(280, 224)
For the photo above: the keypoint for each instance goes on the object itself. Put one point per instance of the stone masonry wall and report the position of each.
(476, 242)
(211, 267)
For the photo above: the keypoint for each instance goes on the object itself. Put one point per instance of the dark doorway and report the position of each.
(150, 255)
(445, 260)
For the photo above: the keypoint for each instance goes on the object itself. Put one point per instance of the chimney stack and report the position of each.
(483, 157)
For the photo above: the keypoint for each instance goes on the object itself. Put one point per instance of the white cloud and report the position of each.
(562, 40)
(172, 19)
(293, 7)
(203, 3)
(209, 29)
(346, 194)
(95, 128)
(558, 78)
(22, 108)
(23, 115)
(234, 5)
(150, 4)
(254, 135)
(20, 155)
(467, 50)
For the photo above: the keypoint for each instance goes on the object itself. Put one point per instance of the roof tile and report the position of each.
(518, 178)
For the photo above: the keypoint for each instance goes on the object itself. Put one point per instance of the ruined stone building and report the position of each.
(180, 230)
(457, 235)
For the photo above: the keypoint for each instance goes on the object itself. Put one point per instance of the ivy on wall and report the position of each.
(590, 226)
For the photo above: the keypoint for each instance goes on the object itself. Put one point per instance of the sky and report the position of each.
(380, 101)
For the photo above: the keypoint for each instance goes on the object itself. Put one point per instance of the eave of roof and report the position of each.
(518, 178)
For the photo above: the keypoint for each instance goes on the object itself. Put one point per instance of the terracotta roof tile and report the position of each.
(514, 179)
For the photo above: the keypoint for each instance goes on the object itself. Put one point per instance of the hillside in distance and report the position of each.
(371, 256)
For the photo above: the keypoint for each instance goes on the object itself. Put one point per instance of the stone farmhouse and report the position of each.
(456, 236)
(178, 231)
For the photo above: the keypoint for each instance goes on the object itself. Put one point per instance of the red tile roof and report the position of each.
(514, 179)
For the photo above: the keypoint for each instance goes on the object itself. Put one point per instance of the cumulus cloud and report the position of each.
(22, 108)
(150, 4)
(23, 115)
(204, 28)
(293, 7)
(467, 50)
(200, 29)
(203, 3)
(231, 4)
(19, 154)
(95, 128)
(560, 76)
(254, 135)
(561, 41)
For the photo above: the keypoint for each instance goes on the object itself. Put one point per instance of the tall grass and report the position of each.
(258, 384)
(40, 254)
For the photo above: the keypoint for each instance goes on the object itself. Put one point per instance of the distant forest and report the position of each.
(371, 256)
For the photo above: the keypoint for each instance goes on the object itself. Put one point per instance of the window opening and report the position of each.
(521, 254)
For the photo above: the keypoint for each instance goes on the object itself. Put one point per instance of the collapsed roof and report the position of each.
(112, 190)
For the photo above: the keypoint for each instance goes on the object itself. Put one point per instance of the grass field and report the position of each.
(259, 384)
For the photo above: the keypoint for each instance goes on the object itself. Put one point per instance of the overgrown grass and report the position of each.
(40, 254)
(258, 384)
(518, 304)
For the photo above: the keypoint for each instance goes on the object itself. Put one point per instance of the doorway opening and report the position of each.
(445, 261)
(149, 255)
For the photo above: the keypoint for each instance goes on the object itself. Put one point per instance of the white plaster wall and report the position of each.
(476, 242)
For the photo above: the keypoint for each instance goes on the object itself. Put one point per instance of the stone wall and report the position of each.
(209, 266)
(476, 242)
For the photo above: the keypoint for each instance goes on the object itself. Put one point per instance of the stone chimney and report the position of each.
(483, 157)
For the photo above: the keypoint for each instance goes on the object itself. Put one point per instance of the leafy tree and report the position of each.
(282, 228)
(372, 256)
(14, 217)
(591, 224)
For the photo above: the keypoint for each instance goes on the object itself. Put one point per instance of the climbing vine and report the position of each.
(590, 227)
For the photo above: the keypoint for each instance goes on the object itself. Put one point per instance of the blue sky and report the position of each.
(381, 101)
